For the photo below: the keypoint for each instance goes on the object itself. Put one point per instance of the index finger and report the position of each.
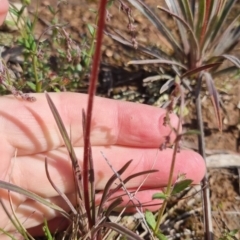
(30, 126)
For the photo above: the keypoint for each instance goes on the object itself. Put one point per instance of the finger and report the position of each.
(3, 10)
(187, 162)
(60, 169)
(30, 127)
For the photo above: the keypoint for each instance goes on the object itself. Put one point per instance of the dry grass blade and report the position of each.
(131, 177)
(15, 222)
(67, 142)
(232, 59)
(142, 49)
(199, 69)
(221, 12)
(20, 228)
(120, 229)
(108, 185)
(214, 97)
(58, 191)
(92, 207)
(76, 167)
(112, 206)
(143, 8)
(152, 61)
(33, 196)
(167, 85)
(175, 8)
(187, 28)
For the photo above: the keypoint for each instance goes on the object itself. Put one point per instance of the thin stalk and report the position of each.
(91, 50)
(91, 93)
(170, 181)
(38, 83)
(206, 204)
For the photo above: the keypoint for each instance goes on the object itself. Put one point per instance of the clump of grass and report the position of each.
(57, 64)
(196, 54)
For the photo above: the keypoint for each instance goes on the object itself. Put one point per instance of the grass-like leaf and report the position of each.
(76, 166)
(181, 185)
(108, 185)
(11, 187)
(150, 219)
(68, 144)
(128, 234)
(58, 190)
(214, 97)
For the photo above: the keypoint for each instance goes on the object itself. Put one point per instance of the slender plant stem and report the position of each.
(38, 83)
(170, 181)
(91, 50)
(204, 183)
(91, 93)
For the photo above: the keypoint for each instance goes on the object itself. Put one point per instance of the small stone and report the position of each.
(225, 121)
(238, 106)
(109, 53)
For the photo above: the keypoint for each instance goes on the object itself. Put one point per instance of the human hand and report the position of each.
(3, 10)
(121, 130)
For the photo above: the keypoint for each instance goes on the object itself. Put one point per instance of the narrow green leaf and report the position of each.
(51, 9)
(46, 231)
(150, 219)
(191, 132)
(159, 195)
(32, 85)
(90, 29)
(233, 232)
(181, 185)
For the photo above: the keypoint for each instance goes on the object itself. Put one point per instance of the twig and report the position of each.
(204, 183)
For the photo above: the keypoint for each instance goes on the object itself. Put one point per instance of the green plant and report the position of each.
(229, 234)
(204, 40)
(57, 64)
